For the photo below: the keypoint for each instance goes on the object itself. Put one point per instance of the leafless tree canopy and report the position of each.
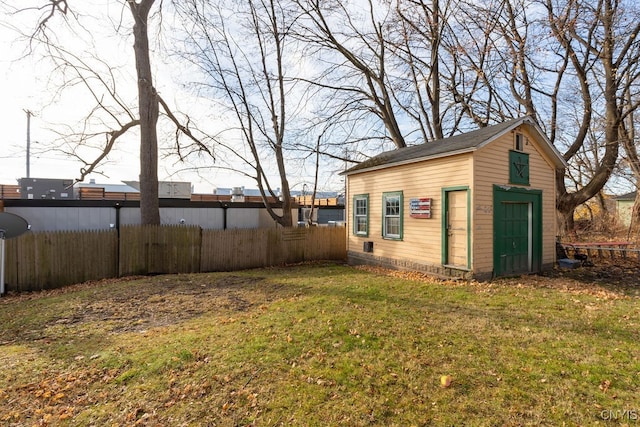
(110, 107)
(436, 66)
(344, 79)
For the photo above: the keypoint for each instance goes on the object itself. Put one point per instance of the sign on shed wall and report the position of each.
(420, 207)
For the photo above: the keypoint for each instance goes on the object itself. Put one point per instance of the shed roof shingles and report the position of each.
(448, 146)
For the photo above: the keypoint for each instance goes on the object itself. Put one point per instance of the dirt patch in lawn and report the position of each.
(169, 300)
(155, 301)
(59, 346)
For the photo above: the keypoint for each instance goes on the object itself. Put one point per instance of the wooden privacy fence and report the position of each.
(229, 250)
(37, 261)
(47, 260)
(150, 249)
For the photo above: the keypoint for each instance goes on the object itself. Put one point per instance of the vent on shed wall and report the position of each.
(368, 247)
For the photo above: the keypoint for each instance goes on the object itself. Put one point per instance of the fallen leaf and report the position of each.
(604, 385)
(445, 381)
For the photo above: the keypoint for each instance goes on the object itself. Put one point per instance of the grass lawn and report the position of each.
(319, 345)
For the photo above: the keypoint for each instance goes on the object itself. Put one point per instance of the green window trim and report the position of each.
(392, 215)
(518, 168)
(361, 215)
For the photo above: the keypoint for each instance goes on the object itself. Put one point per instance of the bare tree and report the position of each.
(568, 64)
(421, 27)
(148, 108)
(629, 142)
(565, 63)
(100, 85)
(357, 59)
(244, 53)
(422, 67)
(450, 63)
(607, 41)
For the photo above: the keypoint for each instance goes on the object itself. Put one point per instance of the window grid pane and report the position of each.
(393, 226)
(393, 205)
(361, 225)
(361, 217)
(392, 216)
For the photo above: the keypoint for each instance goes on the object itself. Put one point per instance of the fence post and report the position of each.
(2, 256)
(117, 207)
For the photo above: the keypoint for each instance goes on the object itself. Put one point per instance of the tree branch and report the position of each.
(183, 128)
(111, 140)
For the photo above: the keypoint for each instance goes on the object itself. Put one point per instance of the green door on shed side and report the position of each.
(517, 227)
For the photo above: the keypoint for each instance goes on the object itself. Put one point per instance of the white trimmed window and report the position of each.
(392, 215)
(361, 215)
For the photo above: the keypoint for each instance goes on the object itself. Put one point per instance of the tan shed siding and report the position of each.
(492, 167)
(421, 237)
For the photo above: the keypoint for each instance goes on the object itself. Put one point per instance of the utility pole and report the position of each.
(29, 114)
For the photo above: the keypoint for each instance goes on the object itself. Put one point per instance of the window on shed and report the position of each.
(392, 215)
(361, 215)
(519, 142)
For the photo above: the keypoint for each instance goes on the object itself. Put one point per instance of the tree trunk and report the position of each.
(286, 219)
(566, 226)
(613, 125)
(148, 105)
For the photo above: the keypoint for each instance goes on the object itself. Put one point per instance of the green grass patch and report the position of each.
(318, 345)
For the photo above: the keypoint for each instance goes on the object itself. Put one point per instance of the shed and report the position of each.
(476, 205)
(624, 208)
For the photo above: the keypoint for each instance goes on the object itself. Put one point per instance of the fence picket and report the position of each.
(38, 261)
(46, 260)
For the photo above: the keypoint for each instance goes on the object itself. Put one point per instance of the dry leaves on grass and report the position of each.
(52, 398)
(606, 279)
(412, 275)
(12, 297)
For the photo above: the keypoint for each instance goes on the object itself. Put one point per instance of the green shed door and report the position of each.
(517, 228)
(515, 239)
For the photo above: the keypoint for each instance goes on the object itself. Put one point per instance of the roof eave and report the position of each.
(548, 146)
(549, 149)
(409, 161)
